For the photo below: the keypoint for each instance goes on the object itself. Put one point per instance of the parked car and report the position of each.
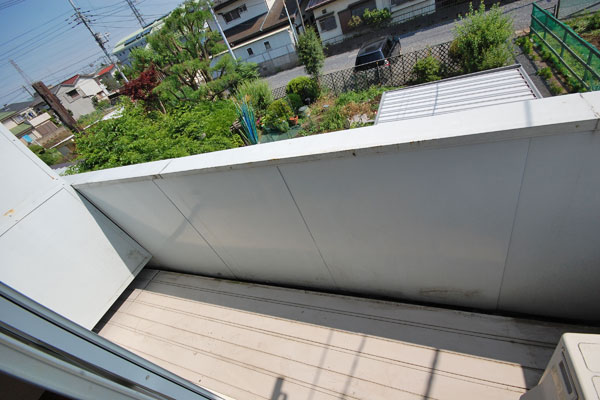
(377, 53)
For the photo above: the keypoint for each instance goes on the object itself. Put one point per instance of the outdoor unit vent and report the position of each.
(573, 372)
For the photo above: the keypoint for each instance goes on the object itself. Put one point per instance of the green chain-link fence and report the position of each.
(578, 56)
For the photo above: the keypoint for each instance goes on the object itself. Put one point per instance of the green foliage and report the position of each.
(355, 21)
(304, 87)
(364, 96)
(48, 156)
(88, 119)
(555, 88)
(258, 94)
(593, 22)
(545, 73)
(310, 52)
(377, 18)
(183, 53)
(525, 43)
(138, 136)
(333, 120)
(481, 40)
(295, 101)
(427, 69)
(278, 114)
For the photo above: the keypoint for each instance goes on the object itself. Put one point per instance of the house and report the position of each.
(16, 117)
(259, 31)
(333, 16)
(135, 40)
(470, 239)
(106, 76)
(77, 92)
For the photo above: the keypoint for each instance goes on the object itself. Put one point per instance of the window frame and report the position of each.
(327, 17)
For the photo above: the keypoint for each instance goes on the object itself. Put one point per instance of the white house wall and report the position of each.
(81, 106)
(282, 43)
(398, 14)
(254, 9)
(497, 213)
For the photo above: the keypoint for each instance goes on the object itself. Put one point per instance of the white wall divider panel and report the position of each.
(55, 246)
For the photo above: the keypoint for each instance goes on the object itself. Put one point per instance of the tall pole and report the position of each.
(56, 106)
(96, 36)
(221, 32)
(290, 21)
(136, 13)
(301, 17)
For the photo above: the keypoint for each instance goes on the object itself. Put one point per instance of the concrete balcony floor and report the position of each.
(251, 341)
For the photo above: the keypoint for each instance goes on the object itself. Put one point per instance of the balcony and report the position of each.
(436, 257)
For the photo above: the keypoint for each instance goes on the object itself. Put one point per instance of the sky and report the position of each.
(46, 42)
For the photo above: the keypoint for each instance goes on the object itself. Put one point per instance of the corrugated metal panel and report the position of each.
(498, 86)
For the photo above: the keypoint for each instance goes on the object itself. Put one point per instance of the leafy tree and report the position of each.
(481, 40)
(140, 136)
(142, 88)
(310, 52)
(187, 56)
(49, 156)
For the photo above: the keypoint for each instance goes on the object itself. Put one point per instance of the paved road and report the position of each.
(519, 10)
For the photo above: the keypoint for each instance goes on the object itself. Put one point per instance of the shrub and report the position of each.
(481, 40)
(333, 120)
(525, 43)
(363, 96)
(310, 52)
(355, 21)
(555, 88)
(304, 87)
(295, 101)
(48, 156)
(427, 69)
(278, 114)
(594, 22)
(258, 93)
(377, 18)
(545, 73)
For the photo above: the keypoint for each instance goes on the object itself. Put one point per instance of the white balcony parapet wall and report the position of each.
(495, 208)
(55, 247)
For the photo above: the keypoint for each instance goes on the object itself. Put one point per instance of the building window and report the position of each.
(72, 94)
(327, 23)
(250, 52)
(359, 9)
(234, 14)
(267, 45)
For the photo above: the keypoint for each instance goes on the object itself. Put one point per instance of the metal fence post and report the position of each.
(564, 43)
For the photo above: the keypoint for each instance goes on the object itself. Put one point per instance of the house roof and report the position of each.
(317, 3)
(71, 80)
(218, 4)
(17, 106)
(22, 128)
(481, 89)
(105, 70)
(6, 114)
(261, 24)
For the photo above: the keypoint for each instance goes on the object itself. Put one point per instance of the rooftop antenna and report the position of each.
(97, 37)
(136, 13)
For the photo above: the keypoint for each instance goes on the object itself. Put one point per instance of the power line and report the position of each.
(137, 14)
(9, 3)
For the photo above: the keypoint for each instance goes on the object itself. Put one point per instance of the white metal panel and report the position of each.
(57, 248)
(499, 86)
(251, 220)
(431, 226)
(144, 212)
(555, 250)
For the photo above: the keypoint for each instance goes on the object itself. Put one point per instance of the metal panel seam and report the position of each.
(196, 230)
(307, 228)
(512, 229)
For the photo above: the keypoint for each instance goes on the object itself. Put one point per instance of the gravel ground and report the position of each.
(520, 11)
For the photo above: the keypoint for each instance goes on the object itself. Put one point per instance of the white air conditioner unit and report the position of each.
(573, 372)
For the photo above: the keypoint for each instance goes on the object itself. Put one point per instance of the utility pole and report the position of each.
(221, 32)
(97, 37)
(301, 17)
(290, 21)
(25, 77)
(56, 106)
(136, 13)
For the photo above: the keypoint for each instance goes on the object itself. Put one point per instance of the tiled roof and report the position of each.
(105, 70)
(270, 21)
(22, 128)
(17, 106)
(317, 3)
(6, 114)
(71, 80)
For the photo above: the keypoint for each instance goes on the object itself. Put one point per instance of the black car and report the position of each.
(377, 53)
